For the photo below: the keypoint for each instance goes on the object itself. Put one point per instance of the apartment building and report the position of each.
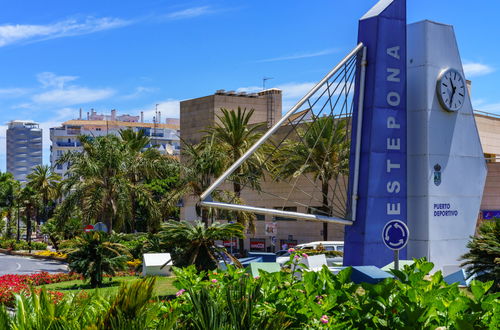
(24, 148)
(64, 138)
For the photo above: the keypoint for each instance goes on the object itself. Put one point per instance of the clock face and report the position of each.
(451, 89)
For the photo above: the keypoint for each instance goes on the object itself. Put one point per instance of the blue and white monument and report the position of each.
(415, 156)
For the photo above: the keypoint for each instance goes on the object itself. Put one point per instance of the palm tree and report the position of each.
(194, 244)
(142, 164)
(9, 190)
(47, 184)
(30, 201)
(235, 136)
(93, 255)
(483, 258)
(322, 151)
(99, 183)
(200, 163)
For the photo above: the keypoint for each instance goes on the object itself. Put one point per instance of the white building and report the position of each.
(24, 148)
(65, 138)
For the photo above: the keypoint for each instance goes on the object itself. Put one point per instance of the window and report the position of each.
(59, 166)
(286, 208)
(98, 129)
(260, 217)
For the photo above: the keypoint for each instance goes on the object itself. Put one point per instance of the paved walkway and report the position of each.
(10, 264)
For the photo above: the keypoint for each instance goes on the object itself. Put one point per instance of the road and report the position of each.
(23, 265)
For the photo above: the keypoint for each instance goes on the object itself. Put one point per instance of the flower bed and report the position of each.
(12, 284)
(48, 253)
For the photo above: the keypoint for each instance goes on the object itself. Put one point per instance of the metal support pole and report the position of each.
(396, 259)
(260, 210)
(359, 127)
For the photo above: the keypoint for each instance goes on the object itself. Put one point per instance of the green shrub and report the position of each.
(324, 300)
(483, 258)
(12, 244)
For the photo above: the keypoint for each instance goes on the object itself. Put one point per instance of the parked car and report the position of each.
(327, 246)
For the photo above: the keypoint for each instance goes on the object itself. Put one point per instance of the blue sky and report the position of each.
(58, 56)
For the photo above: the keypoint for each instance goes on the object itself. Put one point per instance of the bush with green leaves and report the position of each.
(483, 258)
(412, 300)
(233, 299)
(93, 254)
(133, 307)
(12, 244)
(194, 244)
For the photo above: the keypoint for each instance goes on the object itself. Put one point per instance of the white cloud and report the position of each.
(73, 95)
(299, 56)
(64, 94)
(13, 92)
(49, 79)
(472, 69)
(139, 91)
(15, 33)
(295, 90)
(169, 109)
(190, 13)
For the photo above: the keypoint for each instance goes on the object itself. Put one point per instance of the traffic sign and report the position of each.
(395, 234)
(88, 228)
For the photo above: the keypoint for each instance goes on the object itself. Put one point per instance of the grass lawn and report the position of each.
(163, 286)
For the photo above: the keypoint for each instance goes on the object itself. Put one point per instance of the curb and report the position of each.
(32, 255)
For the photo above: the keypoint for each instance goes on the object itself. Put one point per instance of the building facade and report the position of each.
(65, 137)
(24, 148)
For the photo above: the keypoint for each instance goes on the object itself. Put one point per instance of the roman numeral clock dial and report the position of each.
(451, 89)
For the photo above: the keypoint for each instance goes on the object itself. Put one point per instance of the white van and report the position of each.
(327, 246)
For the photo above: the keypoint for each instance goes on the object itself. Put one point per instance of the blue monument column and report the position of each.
(382, 185)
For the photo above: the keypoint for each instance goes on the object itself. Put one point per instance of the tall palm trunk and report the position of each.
(325, 208)
(241, 242)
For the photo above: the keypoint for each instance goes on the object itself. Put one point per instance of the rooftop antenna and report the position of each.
(155, 120)
(264, 82)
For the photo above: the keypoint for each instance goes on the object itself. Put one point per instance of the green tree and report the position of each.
(30, 201)
(235, 135)
(47, 184)
(194, 244)
(200, 164)
(143, 164)
(483, 258)
(322, 151)
(93, 255)
(99, 183)
(9, 190)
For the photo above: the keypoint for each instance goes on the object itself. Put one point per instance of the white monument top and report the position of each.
(377, 9)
